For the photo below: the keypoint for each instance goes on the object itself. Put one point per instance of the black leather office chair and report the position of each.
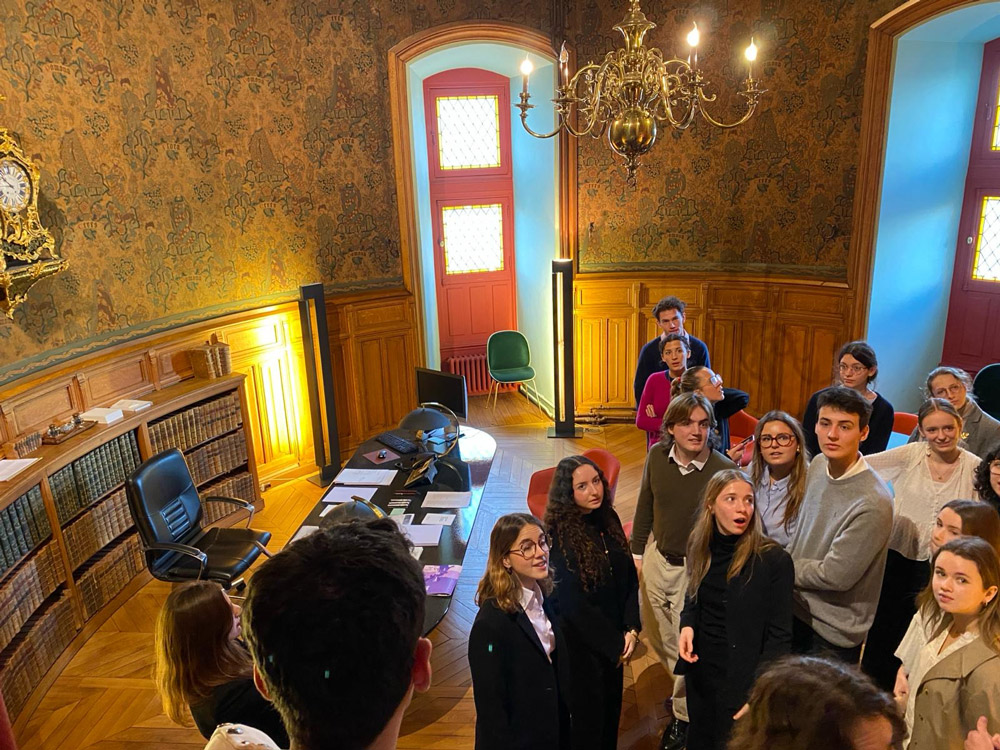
(167, 511)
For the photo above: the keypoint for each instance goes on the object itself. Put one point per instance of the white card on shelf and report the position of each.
(341, 494)
(447, 500)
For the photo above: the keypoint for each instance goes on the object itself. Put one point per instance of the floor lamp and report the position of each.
(562, 341)
(319, 378)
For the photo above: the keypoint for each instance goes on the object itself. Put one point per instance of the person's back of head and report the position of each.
(809, 702)
(334, 623)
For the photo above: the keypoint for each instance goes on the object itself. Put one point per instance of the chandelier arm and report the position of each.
(524, 123)
(751, 106)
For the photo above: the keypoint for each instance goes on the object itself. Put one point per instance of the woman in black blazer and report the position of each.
(738, 611)
(203, 667)
(520, 677)
(596, 596)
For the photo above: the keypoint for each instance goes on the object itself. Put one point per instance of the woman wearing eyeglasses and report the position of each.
(857, 367)
(520, 672)
(596, 595)
(987, 482)
(725, 403)
(924, 477)
(980, 431)
(778, 470)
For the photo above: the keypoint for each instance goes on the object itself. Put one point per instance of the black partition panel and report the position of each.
(319, 377)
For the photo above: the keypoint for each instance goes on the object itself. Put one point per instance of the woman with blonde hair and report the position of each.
(778, 470)
(924, 476)
(738, 610)
(596, 594)
(520, 674)
(203, 666)
(956, 677)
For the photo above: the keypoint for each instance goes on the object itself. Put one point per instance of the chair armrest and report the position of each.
(183, 549)
(249, 507)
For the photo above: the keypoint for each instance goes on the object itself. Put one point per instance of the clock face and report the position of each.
(15, 186)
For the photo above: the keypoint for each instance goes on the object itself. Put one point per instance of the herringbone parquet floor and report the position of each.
(104, 698)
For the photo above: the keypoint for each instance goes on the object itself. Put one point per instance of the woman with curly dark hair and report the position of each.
(986, 481)
(596, 595)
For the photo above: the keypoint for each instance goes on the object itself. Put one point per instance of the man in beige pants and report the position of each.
(676, 472)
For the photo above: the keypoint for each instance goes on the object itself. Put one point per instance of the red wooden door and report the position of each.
(972, 333)
(471, 190)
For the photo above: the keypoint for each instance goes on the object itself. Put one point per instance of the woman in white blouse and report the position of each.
(924, 476)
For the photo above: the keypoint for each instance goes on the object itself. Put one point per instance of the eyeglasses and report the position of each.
(528, 549)
(784, 439)
(853, 369)
(715, 379)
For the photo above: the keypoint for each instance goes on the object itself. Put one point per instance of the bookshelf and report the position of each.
(68, 547)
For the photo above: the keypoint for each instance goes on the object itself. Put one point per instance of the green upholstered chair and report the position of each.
(509, 361)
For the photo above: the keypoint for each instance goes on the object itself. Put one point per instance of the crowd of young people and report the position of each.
(834, 595)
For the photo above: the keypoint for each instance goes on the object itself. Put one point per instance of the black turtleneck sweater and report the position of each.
(712, 592)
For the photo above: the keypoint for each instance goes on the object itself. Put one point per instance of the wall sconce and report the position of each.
(563, 360)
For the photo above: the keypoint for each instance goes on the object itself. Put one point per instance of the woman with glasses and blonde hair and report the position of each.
(778, 470)
(856, 368)
(520, 675)
(596, 594)
(738, 610)
(202, 666)
(725, 403)
(980, 431)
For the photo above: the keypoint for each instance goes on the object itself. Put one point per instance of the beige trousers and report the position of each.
(662, 597)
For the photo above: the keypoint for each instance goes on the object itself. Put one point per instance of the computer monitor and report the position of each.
(443, 388)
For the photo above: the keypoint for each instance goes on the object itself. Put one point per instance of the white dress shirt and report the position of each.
(531, 603)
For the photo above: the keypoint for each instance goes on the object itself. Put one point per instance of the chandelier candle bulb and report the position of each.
(693, 37)
(526, 68)
(564, 65)
(751, 54)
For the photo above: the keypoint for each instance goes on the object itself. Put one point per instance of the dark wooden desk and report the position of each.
(472, 457)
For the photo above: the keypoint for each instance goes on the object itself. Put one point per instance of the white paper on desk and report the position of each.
(382, 477)
(10, 467)
(303, 532)
(423, 536)
(417, 552)
(345, 494)
(447, 500)
(439, 519)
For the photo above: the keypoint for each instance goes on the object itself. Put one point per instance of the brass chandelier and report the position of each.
(633, 92)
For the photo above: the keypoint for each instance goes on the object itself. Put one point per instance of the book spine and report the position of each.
(38, 508)
(30, 535)
(20, 543)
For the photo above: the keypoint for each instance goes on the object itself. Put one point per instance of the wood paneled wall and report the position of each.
(373, 342)
(775, 339)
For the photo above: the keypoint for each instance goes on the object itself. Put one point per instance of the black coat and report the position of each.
(758, 622)
(522, 699)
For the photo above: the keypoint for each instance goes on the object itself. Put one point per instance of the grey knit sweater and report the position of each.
(839, 550)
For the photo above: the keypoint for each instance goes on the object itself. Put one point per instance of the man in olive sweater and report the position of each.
(839, 547)
(676, 472)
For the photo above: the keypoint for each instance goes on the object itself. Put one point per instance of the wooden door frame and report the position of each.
(879, 70)
(400, 56)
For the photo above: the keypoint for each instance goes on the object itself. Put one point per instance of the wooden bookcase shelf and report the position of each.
(67, 540)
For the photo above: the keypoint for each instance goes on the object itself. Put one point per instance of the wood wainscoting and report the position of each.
(775, 339)
(373, 341)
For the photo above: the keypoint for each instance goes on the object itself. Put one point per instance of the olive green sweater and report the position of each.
(668, 500)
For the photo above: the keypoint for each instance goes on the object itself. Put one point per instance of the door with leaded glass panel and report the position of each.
(471, 191)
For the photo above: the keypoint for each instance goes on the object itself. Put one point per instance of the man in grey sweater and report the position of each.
(839, 547)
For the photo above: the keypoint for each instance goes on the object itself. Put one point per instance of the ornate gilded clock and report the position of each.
(27, 250)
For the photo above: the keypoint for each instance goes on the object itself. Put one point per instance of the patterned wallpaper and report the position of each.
(772, 196)
(201, 156)
(204, 156)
